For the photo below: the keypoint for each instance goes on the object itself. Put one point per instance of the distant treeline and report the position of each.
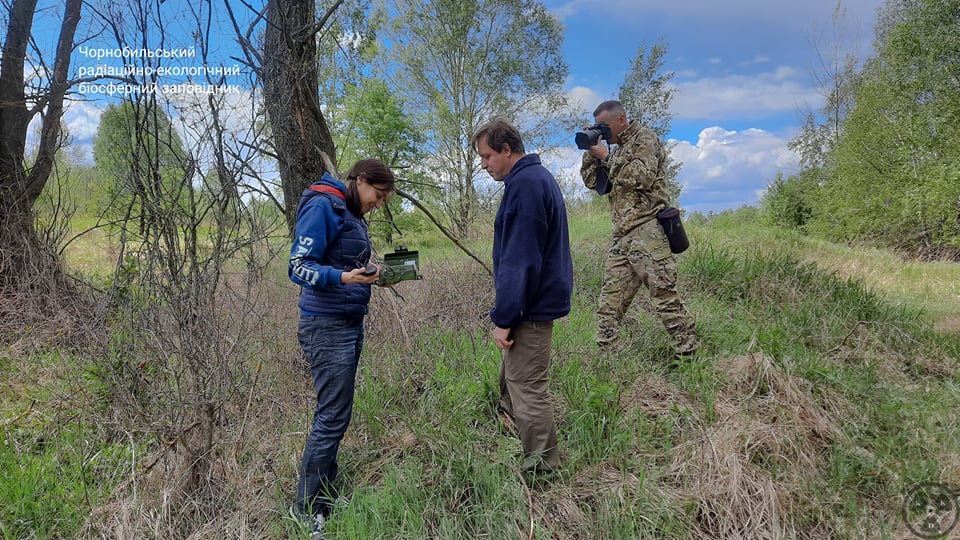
(880, 160)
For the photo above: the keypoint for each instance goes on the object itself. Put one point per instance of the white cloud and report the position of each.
(729, 169)
(564, 163)
(190, 120)
(82, 119)
(722, 169)
(567, 10)
(584, 99)
(785, 73)
(743, 96)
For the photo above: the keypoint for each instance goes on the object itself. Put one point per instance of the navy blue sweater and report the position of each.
(532, 268)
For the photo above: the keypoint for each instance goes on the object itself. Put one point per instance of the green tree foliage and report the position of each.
(461, 62)
(86, 189)
(347, 46)
(75, 187)
(790, 202)
(646, 94)
(138, 150)
(836, 76)
(786, 202)
(896, 176)
(374, 124)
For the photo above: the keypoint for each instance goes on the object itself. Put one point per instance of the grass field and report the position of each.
(825, 392)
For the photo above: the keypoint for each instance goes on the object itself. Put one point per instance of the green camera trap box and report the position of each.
(401, 265)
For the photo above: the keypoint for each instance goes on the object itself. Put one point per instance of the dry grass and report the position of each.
(565, 509)
(763, 416)
(254, 452)
(738, 464)
(258, 458)
(454, 294)
(652, 395)
(58, 315)
(949, 324)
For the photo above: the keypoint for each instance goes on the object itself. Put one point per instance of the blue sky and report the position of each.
(743, 74)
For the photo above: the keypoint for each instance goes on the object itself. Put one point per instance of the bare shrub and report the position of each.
(62, 315)
(455, 294)
(175, 488)
(184, 357)
(43, 307)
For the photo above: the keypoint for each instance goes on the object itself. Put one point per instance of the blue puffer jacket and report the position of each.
(329, 240)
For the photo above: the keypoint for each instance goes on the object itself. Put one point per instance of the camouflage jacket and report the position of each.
(636, 169)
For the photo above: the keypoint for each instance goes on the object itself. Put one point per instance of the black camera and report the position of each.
(591, 136)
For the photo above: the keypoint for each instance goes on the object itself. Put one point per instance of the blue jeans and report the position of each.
(332, 347)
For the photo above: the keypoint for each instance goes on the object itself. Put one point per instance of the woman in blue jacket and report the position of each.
(330, 251)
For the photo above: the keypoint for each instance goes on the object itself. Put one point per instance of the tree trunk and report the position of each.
(26, 265)
(301, 136)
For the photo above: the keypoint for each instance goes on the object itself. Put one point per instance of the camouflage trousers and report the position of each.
(642, 258)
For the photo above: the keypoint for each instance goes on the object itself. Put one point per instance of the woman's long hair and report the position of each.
(373, 172)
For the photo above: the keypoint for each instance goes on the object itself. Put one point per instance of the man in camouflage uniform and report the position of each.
(639, 253)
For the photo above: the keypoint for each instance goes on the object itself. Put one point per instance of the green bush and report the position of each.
(786, 201)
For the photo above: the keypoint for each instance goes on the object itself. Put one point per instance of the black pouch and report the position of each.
(603, 182)
(669, 219)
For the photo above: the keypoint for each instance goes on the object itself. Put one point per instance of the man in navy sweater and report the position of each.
(533, 277)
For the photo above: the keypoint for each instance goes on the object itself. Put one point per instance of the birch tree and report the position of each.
(458, 63)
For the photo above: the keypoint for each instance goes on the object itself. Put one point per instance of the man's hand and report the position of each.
(599, 150)
(502, 338)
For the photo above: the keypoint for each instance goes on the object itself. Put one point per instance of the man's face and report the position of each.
(498, 164)
(617, 123)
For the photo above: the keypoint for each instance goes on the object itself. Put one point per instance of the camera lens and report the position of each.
(587, 138)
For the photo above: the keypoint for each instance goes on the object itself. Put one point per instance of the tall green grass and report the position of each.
(850, 342)
(55, 467)
(428, 456)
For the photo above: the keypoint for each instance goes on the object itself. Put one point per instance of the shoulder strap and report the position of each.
(322, 188)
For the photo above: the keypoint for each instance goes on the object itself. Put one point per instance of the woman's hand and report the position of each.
(357, 275)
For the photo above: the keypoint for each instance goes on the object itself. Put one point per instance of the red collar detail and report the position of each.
(323, 188)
